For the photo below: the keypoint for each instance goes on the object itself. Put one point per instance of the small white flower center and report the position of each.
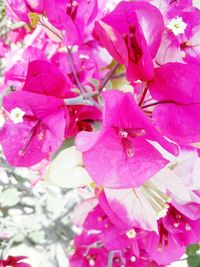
(133, 259)
(91, 262)
(16, 115)
(123, 133)
(131, 234)
(177, 26)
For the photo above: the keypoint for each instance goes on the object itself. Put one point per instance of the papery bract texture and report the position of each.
(121, 149)
(176, 88)
(128, 40)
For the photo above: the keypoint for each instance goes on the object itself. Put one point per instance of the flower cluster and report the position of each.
(121, 82)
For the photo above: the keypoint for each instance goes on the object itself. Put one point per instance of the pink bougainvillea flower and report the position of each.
(180, 41)
(162, 248)
(88, 251)
(176, 88)
(45, 78)
(130, 42)
(121, 149)
(182, 223)
(14, 262)
(37, 116)
(22, 7)
(85, 65)
(72, 16)
(39, 132)
(101, 218)
(81, 118)
(176, 231)
(143, 206)
(16, 73)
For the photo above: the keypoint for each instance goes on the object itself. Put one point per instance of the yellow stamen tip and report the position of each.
(34, 19)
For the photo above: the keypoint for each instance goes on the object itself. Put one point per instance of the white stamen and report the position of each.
(16, 115)
(177, 26)
(176, 224)
(187, 227)
(130, 152)
(157, 199)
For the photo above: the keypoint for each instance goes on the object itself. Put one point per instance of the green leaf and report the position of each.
(193, 256)
(192, 250)
(194, 261)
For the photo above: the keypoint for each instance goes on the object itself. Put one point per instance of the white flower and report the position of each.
(131, 234)
(16, 115)
(177, 26)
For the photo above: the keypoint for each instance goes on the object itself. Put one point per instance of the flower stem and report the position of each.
(71, 62)
(143, 95)
(107, 78)
(84, 99)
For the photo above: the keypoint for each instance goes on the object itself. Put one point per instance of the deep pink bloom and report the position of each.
(176, 88)
(16, 73)
(74, 17)
(85, 65)
(182, 46)
(130, 42)
(22, 7)
(121, 150)
(14, 262)
(45, 78)
(183, 221)
(81, 118)
(176, 232)
(88, 250)
(110, 226)
(45, 117)
(162, 248)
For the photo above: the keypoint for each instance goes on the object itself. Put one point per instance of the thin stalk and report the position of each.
(48, 28)
(143, 96)
(79, 100)
(71, 62)
(107, 78)
(89, 99)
